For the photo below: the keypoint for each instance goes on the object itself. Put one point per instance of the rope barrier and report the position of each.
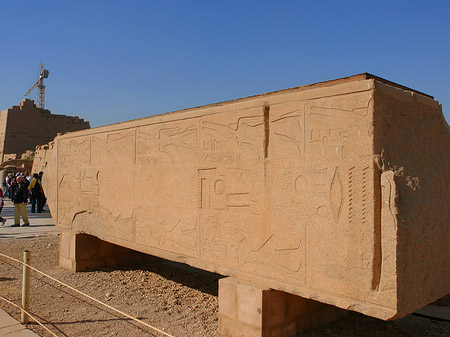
(32, 317)
(90, 297)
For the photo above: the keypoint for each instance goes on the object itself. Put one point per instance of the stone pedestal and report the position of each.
(249, 310)
(80, 252)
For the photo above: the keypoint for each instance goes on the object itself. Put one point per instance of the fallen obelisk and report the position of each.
(337, 192)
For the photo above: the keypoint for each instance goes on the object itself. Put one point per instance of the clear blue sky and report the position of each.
(111, 61)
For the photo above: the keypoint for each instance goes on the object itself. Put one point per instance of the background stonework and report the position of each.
(25, 126)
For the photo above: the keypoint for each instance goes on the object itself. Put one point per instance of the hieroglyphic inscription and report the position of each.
(315, 181)
(352, 199)
(121, 147)
(72, 155)
(387, 282)
(291, 189)
(166, 165)
(336, 195)
(229, 199)
(194, 187)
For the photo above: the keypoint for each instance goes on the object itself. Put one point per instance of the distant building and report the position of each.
(25, 126)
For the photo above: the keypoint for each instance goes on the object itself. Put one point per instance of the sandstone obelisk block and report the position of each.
(337, 192)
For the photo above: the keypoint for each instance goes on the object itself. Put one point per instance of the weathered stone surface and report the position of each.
(336, 192)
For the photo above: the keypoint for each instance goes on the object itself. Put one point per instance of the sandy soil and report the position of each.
(177, 299)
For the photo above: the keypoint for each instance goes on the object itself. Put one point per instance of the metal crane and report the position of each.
(43, 73)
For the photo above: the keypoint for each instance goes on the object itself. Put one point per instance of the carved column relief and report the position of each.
(229, 201)
(321, 184)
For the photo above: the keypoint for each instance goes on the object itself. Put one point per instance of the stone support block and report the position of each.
(80, 252)
(250, 310)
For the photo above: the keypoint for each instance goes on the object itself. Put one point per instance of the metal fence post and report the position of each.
(25, 287)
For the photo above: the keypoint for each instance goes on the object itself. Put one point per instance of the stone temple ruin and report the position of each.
(24, 126)
(335, 192)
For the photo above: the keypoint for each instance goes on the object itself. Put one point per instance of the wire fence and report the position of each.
(78, 292)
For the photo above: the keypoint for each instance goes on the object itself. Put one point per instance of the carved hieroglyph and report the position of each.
(296, 189)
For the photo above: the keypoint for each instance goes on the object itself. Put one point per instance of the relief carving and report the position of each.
(279, 188)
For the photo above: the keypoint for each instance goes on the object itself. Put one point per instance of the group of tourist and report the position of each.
(22, 188)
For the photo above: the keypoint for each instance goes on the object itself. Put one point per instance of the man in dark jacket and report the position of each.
(36, 193)
(42, 199)
(20, 202)
(12, 186)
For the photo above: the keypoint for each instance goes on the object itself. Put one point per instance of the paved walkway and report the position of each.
(41, 224)
(10, 327)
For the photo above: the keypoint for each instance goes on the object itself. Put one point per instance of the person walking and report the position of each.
(27, 183)
(5, 184)
(27, 175)
(20, 202)
(12, 186)
(42, 199)
(36, 192)
(2, 220)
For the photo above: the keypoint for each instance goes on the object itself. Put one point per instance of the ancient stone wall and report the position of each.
(315, 191)
(25, 126)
